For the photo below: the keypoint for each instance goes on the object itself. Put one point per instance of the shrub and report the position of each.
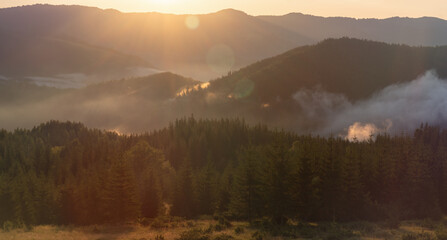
(263, 223)
(158, 223)
(209, 229)
(224, 222)
(441, 233)
(307, 231)
(239, 230)
(336, 232)
(8, 226)
(223, 236)
(159, 237)
(363, 227)
(392, 223)
(190, 224)
(418, 236)
(257, 236)
(193, 234)
(219, 227)
(429, 223)
(144, 221)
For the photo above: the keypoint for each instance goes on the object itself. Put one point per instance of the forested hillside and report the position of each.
(121, 105)
(351, 67)
(423, 31)
(25, 55)
(324, 88)
(65, 173)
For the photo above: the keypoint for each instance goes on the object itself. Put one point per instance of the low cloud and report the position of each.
(397, 108)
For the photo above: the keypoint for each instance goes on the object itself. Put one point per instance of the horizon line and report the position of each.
(221, 10)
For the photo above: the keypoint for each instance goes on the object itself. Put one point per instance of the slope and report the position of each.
(425, 31)
(352, 67)
(25, 55)
(220, 42)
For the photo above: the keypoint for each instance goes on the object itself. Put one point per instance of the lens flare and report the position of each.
(192, 22)
(243, 89)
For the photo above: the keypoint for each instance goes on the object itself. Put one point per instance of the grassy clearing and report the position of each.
(207, 229)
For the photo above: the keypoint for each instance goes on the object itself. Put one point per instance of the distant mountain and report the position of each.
(57, 61)
(328, 86)
(157, 87)
(352, 67)
(16, 94)
(425, 31)
(323, 88)
(211, 45)
(130, 105)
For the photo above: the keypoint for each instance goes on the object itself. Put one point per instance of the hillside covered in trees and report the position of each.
(352, 67)
(25, 56)
(319, 89)
(65, 173)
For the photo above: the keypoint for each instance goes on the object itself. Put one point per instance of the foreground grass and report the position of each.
(217, 230)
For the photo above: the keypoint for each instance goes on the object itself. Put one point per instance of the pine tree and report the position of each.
(224, 188)
(331, 189)
(183, 204)
(354, 196)
(306, 197)
(277, 180)
(121, 200)
(246, 197)
(420, 190)
(150, 201)
(67, 209)
(205, 187)
(22, 196)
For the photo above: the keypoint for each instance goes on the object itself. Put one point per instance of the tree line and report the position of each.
(65, 173)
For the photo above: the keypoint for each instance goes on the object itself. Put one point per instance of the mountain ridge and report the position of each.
(219, 42)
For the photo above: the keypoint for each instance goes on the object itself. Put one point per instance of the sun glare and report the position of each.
(166, 2)
(192, 22)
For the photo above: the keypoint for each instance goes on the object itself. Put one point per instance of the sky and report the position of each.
(345, 8)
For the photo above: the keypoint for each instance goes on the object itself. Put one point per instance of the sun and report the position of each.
(165, 2)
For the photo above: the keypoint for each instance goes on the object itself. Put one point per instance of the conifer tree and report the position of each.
(306, 193)
(205, 187)
(277, 182)
(246, 197)
(331, 186)
(150, 199)
(183, 203)
(224, 188)
(354, 196)
(121, 197)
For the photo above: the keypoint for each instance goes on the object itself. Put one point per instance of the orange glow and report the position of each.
(196, 87)
(192, 22)
(347, 8)
(164, 1)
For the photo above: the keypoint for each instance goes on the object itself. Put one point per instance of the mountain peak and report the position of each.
(232, 12)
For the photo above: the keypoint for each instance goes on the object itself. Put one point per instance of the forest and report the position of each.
(65, 173)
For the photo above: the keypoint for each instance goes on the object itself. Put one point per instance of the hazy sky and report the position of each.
(349, 8)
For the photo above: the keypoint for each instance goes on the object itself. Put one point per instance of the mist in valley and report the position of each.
(127, 108)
